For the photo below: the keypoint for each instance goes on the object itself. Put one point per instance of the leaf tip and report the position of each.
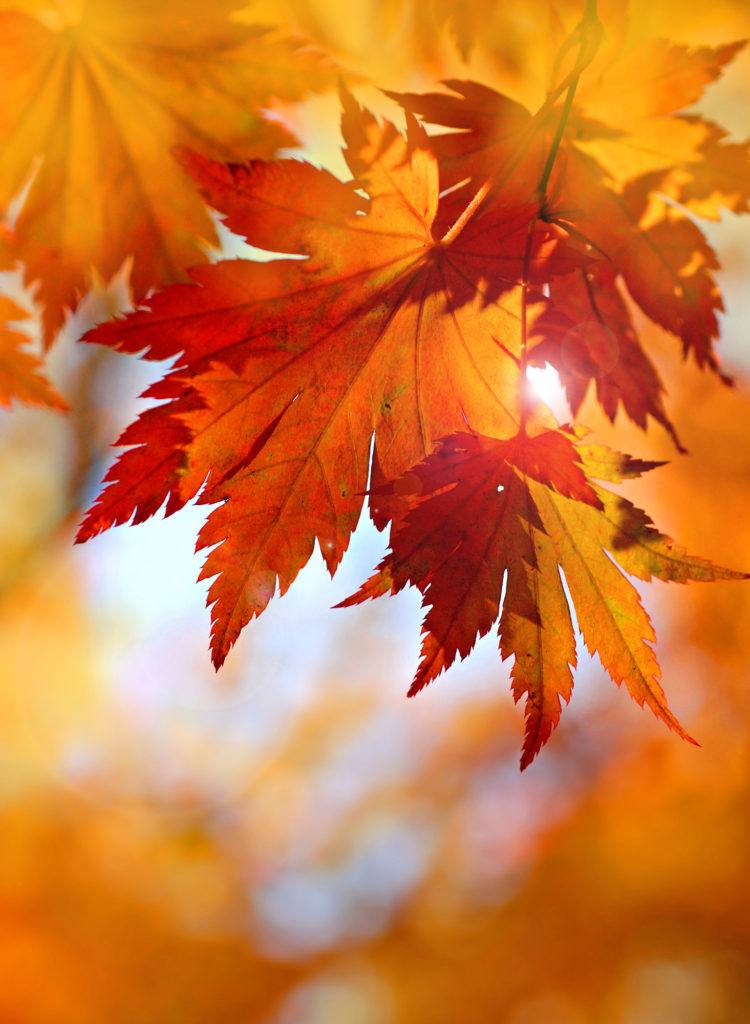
(420, 681)
(218, 657)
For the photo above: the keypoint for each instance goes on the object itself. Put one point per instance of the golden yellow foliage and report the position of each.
(96, 96)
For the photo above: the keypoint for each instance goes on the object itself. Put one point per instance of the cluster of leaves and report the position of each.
(388, 351)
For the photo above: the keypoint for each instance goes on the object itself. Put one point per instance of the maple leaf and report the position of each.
(587, 333)
(407, 307)
(661, 255)
(640, 239)
(717, 178)
(288, 367)
(629, 117)
(627, 110)
(21, 374)
(96, 93)
(479, 509)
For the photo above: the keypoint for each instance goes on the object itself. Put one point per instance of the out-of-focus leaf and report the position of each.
(96, 95)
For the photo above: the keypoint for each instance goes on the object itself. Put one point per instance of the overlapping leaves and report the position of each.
(479, 511)
(411, 302)
(96, 93)
(288, 367)
(626, 155)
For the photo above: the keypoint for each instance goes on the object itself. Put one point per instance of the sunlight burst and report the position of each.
(545, 382)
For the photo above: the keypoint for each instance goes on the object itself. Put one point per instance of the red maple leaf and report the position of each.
(478, 511)
(288, 367)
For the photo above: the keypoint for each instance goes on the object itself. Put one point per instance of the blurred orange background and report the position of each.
(292, 842)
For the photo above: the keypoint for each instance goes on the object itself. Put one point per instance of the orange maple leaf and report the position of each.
(288, 367)
(96, 93)
(21, 376)
(21, 372)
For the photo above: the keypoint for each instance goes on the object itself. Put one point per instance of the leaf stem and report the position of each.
(584, 58)
(468, 212)
(552, 155)
(588, 47)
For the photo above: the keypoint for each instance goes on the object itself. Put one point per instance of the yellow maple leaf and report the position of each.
(96, 95)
